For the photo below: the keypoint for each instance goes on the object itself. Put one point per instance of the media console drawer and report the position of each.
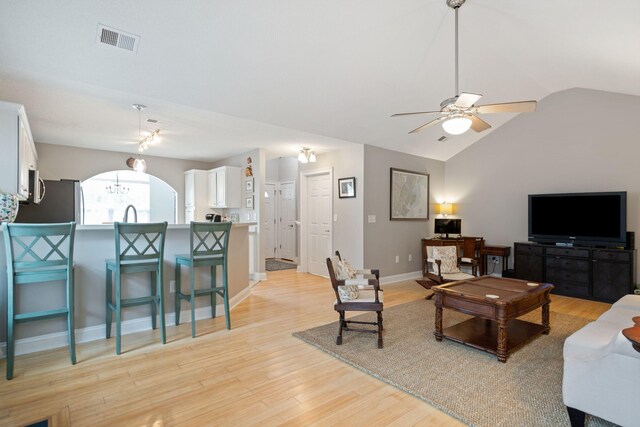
(612, 255)
(578, 253)
(524, 248)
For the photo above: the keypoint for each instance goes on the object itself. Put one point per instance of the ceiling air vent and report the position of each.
(117, 38)
(152, 121)
(442, 138)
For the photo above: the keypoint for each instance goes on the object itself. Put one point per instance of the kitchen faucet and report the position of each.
(126, 214)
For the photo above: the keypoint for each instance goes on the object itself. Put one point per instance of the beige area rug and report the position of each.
(466, 383)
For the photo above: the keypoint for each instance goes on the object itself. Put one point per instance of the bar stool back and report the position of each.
(38, 253)
(209, 246)
(139, 248)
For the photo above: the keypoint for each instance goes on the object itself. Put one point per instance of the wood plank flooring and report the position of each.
(257, 373)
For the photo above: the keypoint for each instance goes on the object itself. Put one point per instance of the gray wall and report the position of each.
(62, 162)
(348, 229)
(577, 141)
(385, 239)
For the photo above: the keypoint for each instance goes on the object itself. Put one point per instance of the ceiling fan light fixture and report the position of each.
(456, 125)
(302, 158)
(139, 165)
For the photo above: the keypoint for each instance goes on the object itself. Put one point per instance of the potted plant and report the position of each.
(8, 206)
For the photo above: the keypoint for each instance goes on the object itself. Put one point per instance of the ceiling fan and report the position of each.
(459, 113)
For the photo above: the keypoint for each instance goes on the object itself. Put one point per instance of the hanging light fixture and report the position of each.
(139, 164)
(306, 155)
(117, 188)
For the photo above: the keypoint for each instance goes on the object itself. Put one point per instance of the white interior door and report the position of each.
(318, 223)
(269, 222)
(287, 224)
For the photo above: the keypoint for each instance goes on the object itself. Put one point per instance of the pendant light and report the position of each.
(139, 164)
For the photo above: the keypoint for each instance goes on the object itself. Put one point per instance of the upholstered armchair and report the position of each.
(443, 265)
(356, 294)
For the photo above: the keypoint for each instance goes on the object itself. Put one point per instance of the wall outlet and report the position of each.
(371, 219)
(397, 259)
(410, 257)
(172, 286)
(335, 217)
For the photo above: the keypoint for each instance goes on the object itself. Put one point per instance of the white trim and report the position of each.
(258, 276)
(402, 277)
(304, 175)
(97, 332)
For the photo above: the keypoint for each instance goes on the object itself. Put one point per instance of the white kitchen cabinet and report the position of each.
(225, 190)
(19, 154)
(195, 195)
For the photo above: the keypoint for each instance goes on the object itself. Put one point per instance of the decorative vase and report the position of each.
(8, 207)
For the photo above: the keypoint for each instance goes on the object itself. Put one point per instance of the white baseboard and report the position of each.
(396, 278)
(257, 276)
(97, 332)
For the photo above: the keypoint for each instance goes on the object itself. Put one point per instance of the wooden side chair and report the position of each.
(38, 253)
(139, 248)
(369, 298)
(471, 253)
(209, 247)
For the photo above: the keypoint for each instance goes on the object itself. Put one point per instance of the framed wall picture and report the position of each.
(248, 202)
(248, 184)
(347, 187)
(409, 196)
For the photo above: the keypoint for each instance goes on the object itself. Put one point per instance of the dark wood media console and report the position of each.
(591, 273)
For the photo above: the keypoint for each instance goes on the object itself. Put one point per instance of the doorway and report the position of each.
(269, 222)
(316, 243)
(287, 221)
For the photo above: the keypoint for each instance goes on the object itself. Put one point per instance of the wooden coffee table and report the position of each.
(496, 303)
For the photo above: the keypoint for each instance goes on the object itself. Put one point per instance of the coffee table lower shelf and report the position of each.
(483, 334)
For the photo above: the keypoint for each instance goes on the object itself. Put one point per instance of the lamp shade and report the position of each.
(139, 165)
(446, 209)
(456, 125)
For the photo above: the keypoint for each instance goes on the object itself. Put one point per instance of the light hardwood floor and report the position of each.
(257, 373)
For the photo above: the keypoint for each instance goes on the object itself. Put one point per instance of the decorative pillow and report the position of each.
(348, 292)
(449, 257)
(345, 271)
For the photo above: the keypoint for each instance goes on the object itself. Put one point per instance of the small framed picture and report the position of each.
(347, 187)
(248, 185)
(248, 202)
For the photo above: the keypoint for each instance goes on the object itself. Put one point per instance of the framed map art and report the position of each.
(409, 196)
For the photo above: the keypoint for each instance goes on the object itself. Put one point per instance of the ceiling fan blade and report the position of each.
(426, 125)
(478, 124)
(466, 100)
(508, 107)
(418, 112)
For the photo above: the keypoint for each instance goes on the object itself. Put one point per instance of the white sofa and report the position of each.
(602, 370)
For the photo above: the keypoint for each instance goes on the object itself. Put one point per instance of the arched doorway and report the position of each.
(107, 195)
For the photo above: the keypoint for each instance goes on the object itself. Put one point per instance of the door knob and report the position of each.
(326, 231)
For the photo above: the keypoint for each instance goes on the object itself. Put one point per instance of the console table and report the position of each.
(494, 250)
(592, 273)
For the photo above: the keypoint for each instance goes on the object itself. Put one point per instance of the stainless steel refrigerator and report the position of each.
(62, 202)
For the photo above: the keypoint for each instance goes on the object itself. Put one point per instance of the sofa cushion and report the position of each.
(631, 302)
(591, 342)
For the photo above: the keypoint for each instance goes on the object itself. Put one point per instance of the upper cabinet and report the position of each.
(224, 187)
(18, 150)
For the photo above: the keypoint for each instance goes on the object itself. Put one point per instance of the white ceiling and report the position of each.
(227, 76)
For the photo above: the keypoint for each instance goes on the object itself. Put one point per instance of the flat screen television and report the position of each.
(598, 219)
(448, 226)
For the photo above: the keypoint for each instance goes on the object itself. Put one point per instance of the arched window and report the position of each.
(107, 195)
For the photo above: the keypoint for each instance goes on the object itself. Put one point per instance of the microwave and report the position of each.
(36, 187)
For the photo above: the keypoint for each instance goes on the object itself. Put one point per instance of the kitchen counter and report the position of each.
(94, 244)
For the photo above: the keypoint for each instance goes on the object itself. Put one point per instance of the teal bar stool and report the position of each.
(139, 248)
(38, 253)
(209, 246)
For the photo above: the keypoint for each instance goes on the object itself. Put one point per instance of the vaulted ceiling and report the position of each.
(223, 77)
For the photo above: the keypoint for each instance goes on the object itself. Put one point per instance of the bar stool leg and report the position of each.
(163, 331)
(226, 295)
(70, 314)
(214, 295)
(192, 274)
(108, 312)
(10, 326)
(154, 301)
(176, 299)
(118, 311)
